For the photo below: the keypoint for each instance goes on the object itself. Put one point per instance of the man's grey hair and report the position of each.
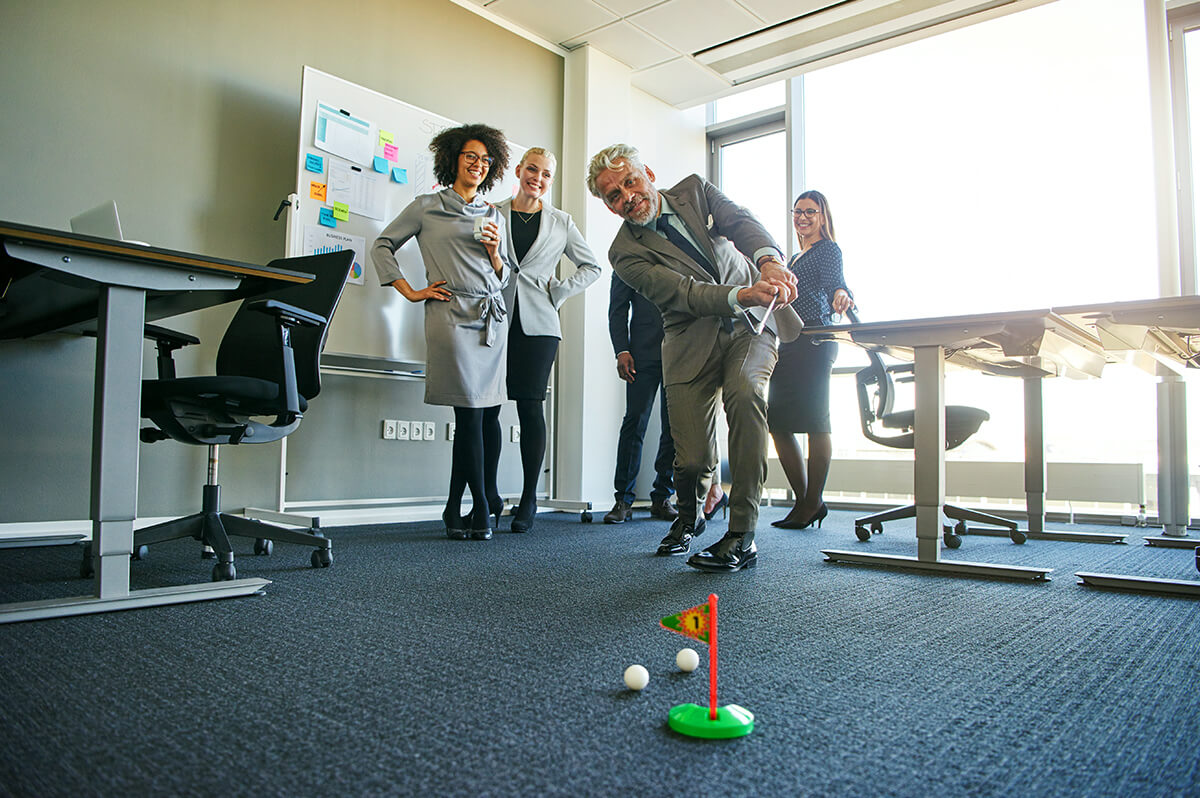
(607, 158)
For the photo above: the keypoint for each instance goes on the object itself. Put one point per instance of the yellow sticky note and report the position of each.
(316, 191)
(341, 211)
(386, 137)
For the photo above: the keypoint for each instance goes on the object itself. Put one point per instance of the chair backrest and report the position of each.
(876, 392)
(250, 347)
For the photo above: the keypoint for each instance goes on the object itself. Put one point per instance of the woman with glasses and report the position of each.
(460, 238)
(798, 401)
(540, 235)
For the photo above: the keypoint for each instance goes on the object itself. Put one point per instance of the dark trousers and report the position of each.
(639, 401)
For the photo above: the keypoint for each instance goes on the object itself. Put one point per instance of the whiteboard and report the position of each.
(347, 128)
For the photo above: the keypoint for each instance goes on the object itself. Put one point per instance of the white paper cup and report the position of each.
(480, 221)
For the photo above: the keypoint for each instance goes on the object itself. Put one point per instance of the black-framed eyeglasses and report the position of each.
(472, 157)
(809, 212)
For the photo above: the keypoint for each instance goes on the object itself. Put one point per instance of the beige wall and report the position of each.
(187, 114)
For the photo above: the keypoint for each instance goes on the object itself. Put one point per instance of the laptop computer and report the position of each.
(101, 221)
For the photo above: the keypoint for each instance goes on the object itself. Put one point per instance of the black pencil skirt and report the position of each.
(530, 358)
(798, 399)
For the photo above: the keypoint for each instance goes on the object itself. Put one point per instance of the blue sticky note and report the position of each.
(314, 163)
(327, 217)
(381, 164)
(399, 175)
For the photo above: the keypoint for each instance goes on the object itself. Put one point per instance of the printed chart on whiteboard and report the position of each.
(363, 157)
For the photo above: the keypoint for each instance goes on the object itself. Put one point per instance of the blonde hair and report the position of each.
(542, 151)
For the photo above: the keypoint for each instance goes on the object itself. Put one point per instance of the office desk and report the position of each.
(1031, 345)
(1162, 337)
(55, 281)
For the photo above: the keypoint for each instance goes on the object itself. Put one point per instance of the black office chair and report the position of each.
(268, 369)
(876, 392)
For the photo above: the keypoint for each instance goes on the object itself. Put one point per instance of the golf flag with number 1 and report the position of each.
(700, 624)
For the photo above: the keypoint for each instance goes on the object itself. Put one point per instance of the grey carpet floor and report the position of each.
(417, 665)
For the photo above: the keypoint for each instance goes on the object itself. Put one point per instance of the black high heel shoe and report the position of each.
(456, 529)
(722, 505)
(523, 519)
(815, 518)
(479, 532)
(496, 508)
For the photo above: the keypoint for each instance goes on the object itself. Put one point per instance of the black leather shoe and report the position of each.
(727, 555)
(679, 539)
(663, 509)
(619, 514)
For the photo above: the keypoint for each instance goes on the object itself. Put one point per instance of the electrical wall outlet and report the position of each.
(449, 430)
(514, 433)
(430, 431)
(402, 430)
(389, 430)
(418, 431)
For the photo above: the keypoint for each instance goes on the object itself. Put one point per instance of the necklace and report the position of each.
(527, 218)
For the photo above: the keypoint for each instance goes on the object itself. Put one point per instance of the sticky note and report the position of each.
(341, 211)
(399, 175)
(327, 218)
(316, 191)
(391, 152)
(314, 163)
(381, 164)
(386, 138)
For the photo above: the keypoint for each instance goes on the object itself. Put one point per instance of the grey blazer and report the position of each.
(690, 301)
(540, 292)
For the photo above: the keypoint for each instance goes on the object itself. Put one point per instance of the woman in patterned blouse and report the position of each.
(799, 395)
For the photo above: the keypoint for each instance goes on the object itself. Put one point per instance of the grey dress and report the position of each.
(466, 338)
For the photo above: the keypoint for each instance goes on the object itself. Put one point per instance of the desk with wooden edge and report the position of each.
(1029, 344)
(55, 281)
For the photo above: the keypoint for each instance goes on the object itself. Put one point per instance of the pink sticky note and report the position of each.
(391, 152)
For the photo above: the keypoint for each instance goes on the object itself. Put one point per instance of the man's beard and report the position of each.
(649, 213)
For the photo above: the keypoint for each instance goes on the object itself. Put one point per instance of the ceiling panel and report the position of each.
(691, 25)
(557, 21)
(773, 11)
(624, 8)
(627, 44)
(680, 82)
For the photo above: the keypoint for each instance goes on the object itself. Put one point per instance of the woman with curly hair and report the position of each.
(461, 240)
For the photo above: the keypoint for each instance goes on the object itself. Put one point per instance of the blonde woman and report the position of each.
(539, 235)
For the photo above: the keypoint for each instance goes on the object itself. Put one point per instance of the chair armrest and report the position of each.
(162, 335)
(289, 315)
(167, 341)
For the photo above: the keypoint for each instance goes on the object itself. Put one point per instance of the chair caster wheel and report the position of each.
(263, 546)
(960, 528)
(951, 540)
(322, 558)
(877, 528)
(207, 553)
(141, 552)
(1017, 536)
(586, 517)
(224, 572)
(862, 533)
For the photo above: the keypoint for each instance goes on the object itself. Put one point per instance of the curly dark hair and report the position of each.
(449, 143)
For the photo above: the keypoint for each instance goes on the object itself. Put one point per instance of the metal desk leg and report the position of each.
(929, 485)
(1172, 456)
(1035, 456)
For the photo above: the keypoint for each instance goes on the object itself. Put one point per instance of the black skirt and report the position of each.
(530, 358)
(798, 400)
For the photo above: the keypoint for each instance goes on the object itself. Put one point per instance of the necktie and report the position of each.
(680, 240)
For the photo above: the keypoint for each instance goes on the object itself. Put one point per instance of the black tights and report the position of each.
(475, 457)
(533, 453)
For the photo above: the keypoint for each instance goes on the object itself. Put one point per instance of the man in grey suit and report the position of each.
(705, 262)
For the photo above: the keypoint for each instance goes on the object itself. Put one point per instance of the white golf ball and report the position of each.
(636, 677)
(687, 659)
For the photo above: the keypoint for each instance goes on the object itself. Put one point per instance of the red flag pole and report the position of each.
(712, 656)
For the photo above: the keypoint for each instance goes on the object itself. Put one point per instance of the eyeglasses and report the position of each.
(809, 212)
(472, 157)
